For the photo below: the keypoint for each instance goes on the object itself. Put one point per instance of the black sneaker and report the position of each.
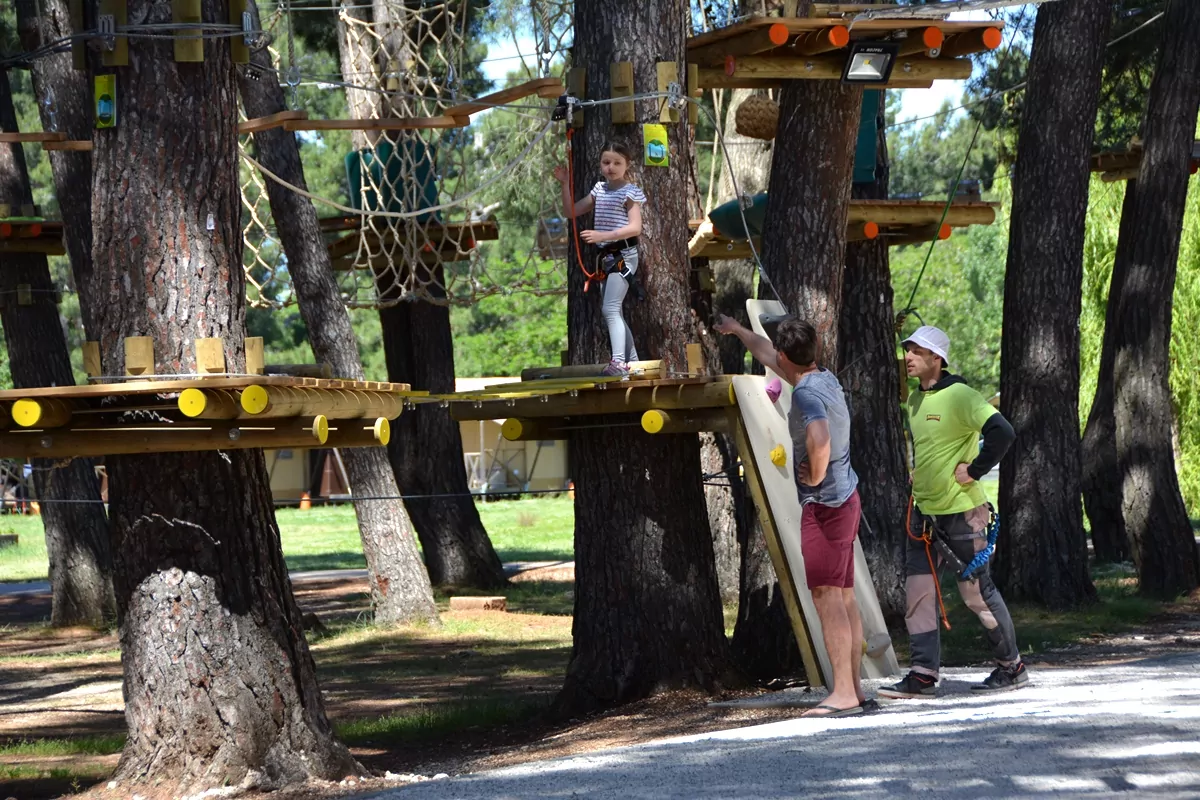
(1004, 679)
(914, 685)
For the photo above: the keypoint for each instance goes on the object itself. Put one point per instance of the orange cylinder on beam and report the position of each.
(924, 41)
(976, 41)
(814, 43)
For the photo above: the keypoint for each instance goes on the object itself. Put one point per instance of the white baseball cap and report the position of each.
(932, 339)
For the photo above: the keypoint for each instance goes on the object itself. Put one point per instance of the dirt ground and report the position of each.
(78, 693)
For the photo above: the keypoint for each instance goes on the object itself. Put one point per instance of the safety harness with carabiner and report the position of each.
(965, 572)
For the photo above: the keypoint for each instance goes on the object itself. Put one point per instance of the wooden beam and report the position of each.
(189, 46)
(210, 356)
(238, 49)
(618, 398)
(210, 404)
(921, 233)
(91, 359)
(830, 68)
(666, 73)
(812, 43)
(33, 136)
(621, 80)
(694, 91)
(139, 355)
(271, 121)
(41, 412)
(968, 42)
(892, 212)
(534, 430)
(577, 87)
(254, 355)
(657, 421)
(384, 124)
(83, 442)
(78, 44)
(321, 370)
(119, 55)
(350, 433)
(753, 42)
(541, 87)
(695, 359)
(927, 41)
(73, 145)
(274, 402)
(172, 385)
(646, 368)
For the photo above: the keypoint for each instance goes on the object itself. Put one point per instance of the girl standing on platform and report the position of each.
(618, 223)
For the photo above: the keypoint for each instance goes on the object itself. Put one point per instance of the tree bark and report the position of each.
(804, 232)
(73, 517)
(1164, 548)
(426, 450)
(219, 684)
(869, 375)
(400, 590)
(647, 611)
(1101, 471)
(1042, 554)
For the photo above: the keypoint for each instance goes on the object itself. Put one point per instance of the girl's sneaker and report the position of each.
(615, 369)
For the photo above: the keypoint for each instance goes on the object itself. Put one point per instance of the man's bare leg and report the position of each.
(856, 640)
(839, 641)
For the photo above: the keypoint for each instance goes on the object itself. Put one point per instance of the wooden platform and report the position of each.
(200, 413)
(31, 235)
(1123, 165)
(761, 52)
(454, 241)
(896, 222)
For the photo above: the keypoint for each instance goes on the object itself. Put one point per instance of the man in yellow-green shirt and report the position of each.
(946, 418)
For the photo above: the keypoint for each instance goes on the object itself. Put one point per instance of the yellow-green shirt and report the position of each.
(945, 422)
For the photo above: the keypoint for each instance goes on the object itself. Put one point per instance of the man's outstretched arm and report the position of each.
(759, 346)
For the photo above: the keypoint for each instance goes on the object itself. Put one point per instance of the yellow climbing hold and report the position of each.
(779, 456)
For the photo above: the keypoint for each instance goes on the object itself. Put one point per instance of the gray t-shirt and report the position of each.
(818, 395)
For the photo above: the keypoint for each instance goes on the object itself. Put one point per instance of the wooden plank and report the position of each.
(78, 44)
(577, 87)
(621, 398)
(189, 46)
(694, 91)
(119, 55)
(666, 73)
(695, 359)
(210, 356)
(749, 43)
(254, 355)
(271, 121)
(79, 441)
(139, 355)
(51, 246)
(875, 28)
(33, 136)
(537, 87)
(583, 370)
(783, 570)
(74, 145)
(238, 50)
(385, 124)
(830, 68)
(91, 359)
(152, 385)
(621, 79)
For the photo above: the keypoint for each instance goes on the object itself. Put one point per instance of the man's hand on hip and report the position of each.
(960, 475)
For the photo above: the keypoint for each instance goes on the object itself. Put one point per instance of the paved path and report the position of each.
(1131, 729)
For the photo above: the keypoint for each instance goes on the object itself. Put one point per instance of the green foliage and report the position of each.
(961, 292)
(927, 158)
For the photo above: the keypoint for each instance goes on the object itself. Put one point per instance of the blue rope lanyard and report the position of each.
(983, 556)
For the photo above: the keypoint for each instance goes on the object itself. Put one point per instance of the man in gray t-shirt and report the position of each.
(819, 423)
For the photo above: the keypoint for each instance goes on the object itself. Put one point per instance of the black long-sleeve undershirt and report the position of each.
(998, 436)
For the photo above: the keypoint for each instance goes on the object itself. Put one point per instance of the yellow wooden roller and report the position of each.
(43, 413)
(209, 404)
(281, 401)
(351, 433)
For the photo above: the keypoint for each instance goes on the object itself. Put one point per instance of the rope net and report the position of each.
(447, 215)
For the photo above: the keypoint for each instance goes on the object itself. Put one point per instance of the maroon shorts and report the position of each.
(827, 542)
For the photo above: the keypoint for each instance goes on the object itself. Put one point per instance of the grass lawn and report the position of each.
(326, 537)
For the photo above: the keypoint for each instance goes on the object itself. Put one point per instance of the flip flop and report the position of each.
(869, 705)
(834, 711)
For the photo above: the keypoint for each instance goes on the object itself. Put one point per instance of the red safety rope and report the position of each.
(927, 537)
(591, 276)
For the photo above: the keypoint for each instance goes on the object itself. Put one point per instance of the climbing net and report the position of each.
(442, 214)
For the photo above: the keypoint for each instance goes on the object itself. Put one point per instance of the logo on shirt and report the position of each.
(933, 417)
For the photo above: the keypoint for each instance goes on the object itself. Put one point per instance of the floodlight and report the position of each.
(870, 62)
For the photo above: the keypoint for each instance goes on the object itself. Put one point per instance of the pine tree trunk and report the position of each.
(1101, 475)
(1164, 548)
(426, 451)
(804, 233)
(647, 611)
(1042, 555)
(219, 684)
(400, 590)
(73, 517)
(869, 375)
